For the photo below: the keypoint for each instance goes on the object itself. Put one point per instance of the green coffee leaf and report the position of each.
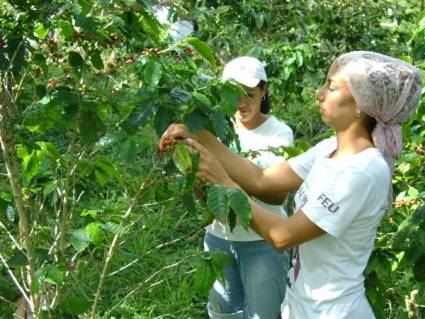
(54, 276)
(18, 259)
(240, 204)
(94, 232)
(204, 278)
(203, 49)
(419, 215)
(163, 118)
(108, 167)
(96, 60)
(230, 94)
(218, 202)
(202, 99)
(419, 269)
(140, 115)
(80, 240)
(31, 165)
(220, 124)
(41, 31)
(182, 159)
(195, 121)
(66, 28)
(75, 59)
(101, 178)
(75, 305)
(152, 73)
(218, 260)
(113, 228)
(151, 26)
(88, 126)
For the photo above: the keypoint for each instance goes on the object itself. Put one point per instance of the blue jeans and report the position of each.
(255, 280)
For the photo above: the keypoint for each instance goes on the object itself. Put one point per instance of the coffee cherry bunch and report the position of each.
(407, 203)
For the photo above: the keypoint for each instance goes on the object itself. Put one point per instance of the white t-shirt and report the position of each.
(346, 197)
(271, 133)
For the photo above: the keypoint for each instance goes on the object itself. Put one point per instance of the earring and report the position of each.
(358, 113)
(263, 98)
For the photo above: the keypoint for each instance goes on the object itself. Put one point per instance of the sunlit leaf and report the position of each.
(182, 159)
(66, 28)
(41, 31)
(94, 232)
(151, 25)
(203, 49)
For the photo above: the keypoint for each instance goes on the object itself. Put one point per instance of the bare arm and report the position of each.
(283, 233)
(269, 185)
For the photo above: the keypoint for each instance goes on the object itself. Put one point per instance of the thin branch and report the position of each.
(16, 282)
(144, 186)
(15, 242)
(145, 254)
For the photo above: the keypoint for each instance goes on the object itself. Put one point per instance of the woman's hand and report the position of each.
(210, 169)
(175, 132)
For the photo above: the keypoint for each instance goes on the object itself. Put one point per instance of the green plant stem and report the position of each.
(144, 186)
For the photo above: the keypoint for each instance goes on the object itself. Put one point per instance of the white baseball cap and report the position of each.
(246, 70)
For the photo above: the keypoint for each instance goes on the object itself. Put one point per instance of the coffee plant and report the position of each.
(94, 223)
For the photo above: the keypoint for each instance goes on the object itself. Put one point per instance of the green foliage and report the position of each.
(93, 85)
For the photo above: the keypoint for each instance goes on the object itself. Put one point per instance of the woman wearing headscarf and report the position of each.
(343, 184)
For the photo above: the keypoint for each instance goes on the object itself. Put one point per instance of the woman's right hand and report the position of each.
(175, 132)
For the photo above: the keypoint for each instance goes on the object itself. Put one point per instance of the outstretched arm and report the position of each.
(281, 233)
(269, 185)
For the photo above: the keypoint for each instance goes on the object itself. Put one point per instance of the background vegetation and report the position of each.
(93, 222)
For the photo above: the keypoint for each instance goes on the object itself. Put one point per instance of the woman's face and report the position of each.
(337, 105)
(249, 107)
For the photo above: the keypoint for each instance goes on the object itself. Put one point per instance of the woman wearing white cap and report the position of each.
(343, 184)
(256, 278)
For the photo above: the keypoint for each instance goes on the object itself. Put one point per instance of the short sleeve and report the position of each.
(302, 164)
(334, 203)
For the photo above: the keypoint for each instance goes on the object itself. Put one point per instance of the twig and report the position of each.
(15, 242)
(145, 185)
(140, 285)
(15, 281)
(144, 255)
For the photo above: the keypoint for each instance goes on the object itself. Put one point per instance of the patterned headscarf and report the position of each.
(386, 89)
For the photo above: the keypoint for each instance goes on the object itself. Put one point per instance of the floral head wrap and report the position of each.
(385, 88)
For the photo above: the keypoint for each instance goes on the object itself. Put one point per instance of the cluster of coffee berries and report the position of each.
(407, 202)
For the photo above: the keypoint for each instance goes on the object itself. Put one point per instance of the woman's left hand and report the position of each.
(210, 170)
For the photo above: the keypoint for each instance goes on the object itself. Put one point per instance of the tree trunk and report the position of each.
(7, 141)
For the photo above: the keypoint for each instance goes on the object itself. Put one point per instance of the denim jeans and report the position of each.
(255, 281)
